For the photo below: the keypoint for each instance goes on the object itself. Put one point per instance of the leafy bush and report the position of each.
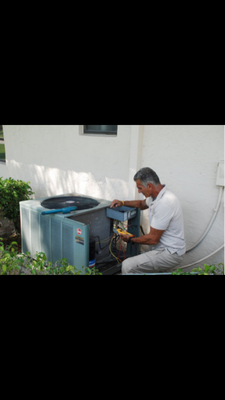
(11, 193)
(207, 270)
(13, 263)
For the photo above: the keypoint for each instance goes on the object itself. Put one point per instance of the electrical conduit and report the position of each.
(211, 222)
(206, 231)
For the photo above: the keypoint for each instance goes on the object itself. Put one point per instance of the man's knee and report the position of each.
(126, 267)
(130, 265)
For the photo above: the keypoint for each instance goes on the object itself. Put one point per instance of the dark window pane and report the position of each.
(100, 128)
(1, 132)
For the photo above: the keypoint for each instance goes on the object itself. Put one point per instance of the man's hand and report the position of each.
(116, 203)
(129, 203)
(125, 238)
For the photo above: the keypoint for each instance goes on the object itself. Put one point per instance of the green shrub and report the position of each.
(207, 270)
(13, 263)
(11, 193)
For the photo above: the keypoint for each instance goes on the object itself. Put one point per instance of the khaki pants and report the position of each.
(152, 261)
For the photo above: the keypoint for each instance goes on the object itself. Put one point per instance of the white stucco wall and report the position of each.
(185, 158)
(59, 159)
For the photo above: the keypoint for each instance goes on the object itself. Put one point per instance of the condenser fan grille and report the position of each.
(82, 203)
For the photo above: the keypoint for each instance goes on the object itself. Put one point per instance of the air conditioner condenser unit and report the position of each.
(82, 236)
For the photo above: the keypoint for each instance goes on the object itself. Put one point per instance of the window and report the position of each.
(106, 129)
(2, 145)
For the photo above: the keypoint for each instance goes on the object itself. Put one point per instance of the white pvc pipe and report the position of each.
(202, 259)
(211, 222)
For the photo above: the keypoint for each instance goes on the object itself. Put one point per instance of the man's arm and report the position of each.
(134, 203)
(151, 238)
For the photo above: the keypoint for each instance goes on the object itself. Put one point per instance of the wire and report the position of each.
(142, 230)
(112, 252)
(132, 227)
(128, 226)
(202, 259)
(103, 241)
(120, 249)
(122, 226)
(110, 249)
(211, 222)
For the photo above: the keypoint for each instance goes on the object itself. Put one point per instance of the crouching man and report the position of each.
(166, 227)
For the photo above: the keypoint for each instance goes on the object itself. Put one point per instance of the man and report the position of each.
(166, 226)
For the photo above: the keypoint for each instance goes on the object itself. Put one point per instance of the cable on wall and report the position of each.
(202, 259)
(211, 222)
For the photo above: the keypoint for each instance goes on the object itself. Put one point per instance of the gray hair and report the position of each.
(147, 175)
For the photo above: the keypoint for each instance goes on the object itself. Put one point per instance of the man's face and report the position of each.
(146, 191)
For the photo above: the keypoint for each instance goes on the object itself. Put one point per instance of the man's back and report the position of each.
(165, 213)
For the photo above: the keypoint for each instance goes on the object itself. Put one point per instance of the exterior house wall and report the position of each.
(60, 159)
(185, 158)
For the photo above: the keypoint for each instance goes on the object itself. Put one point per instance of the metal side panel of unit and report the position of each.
(30, 231)
(60, 238)
(99, 229)
(56, 238)
(75, 243)
(25, 229)
(45, 236)
(35, 232)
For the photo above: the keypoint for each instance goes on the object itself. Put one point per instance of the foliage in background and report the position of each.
(12, 263)
(2, 146)
(11, 193)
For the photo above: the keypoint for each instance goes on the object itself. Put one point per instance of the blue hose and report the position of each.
(65, 210)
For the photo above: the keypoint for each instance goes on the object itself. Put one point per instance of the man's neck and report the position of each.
(158, 189)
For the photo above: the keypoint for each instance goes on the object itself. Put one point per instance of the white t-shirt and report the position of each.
(165, 213)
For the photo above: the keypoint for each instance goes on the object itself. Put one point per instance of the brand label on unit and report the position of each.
(79, 231)
(79, 240)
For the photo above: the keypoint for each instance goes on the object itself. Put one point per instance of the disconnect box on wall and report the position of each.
(220, 174)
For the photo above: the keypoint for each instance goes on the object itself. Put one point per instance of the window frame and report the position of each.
(98, 132)
(2, 141)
